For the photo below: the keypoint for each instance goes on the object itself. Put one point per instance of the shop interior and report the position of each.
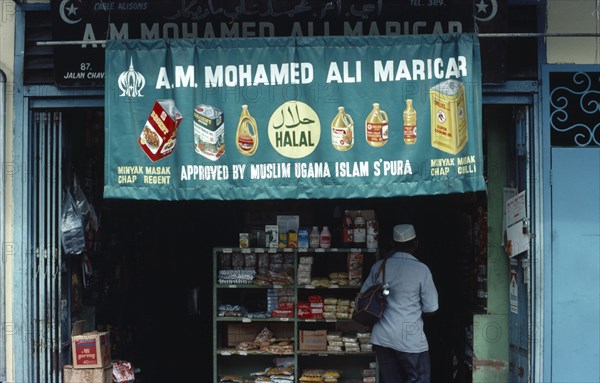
(136, 277)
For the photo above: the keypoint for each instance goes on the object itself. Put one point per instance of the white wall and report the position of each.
(7, 49)
(573, 16)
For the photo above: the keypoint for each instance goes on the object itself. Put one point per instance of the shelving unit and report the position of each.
(274, 306)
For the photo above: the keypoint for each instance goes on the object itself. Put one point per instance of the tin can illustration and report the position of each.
(209, 131)
(159, 134)
(449, 130)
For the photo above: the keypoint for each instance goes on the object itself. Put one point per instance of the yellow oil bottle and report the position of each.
(376, 127)
(246, 137)
(410, 123)
(342, 131)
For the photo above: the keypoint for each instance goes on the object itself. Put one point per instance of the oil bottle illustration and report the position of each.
(410, 123)
(342, 131)
(246, 137)
(376, 127)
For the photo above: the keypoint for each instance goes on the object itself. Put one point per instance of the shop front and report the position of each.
(177, 146)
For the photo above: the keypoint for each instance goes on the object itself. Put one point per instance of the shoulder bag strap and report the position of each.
(381, 271)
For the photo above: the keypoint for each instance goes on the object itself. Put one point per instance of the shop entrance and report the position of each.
(148, 257)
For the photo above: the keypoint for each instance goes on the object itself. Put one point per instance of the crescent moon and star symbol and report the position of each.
(68, 13)
(482, 7)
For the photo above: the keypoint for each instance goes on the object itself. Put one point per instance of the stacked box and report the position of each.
(90, 349)
(87, 375)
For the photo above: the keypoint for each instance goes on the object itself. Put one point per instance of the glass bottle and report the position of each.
(376, 127)
(347, 229)
(410, 123)
(360, 230)
(246, 137)
(342, 131)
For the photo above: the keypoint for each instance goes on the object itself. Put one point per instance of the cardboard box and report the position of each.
(313, 340)
(87, 375)
(287, 226)
(90, 349)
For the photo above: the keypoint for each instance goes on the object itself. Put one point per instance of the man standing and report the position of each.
(398, 338)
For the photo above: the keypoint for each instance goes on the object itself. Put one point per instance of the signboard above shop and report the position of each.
(293, 117)
(94, 21)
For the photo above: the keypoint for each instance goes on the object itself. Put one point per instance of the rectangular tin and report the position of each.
(449, 129)
(209, 131)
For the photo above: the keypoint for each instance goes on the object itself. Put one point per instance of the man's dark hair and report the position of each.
(408, 246)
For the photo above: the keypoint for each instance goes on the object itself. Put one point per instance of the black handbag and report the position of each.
(370, 304)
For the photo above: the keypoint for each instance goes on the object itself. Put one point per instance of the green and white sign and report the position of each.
(293, 118)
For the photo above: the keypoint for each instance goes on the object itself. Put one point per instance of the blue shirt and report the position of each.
(412, 293)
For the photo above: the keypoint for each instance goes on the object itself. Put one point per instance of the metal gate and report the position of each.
(44, 250)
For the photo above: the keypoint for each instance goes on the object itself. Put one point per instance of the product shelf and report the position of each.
(307, 334)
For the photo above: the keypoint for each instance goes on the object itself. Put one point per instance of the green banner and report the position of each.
(279, 118)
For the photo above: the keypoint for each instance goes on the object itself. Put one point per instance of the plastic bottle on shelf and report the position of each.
(314, 238)
(325, 238)
(360, 230)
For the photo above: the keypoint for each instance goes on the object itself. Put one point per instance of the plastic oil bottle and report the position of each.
(325, 238)
(342, 131)
(246, 137)
(410, 123)
(376, 127)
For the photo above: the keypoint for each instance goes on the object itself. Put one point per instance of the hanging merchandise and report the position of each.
(81, 203)
(71, 226)
(87, 271)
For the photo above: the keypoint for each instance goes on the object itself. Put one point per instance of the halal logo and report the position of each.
(131, 82)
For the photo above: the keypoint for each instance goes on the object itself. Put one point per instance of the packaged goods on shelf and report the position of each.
(308, 296)
(236, 277)
(227, 310)
(271, 236)
(310, 340)
(355, 268)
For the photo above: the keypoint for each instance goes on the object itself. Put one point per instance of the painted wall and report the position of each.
(573, 16)
(7, 49)
(490, 330)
